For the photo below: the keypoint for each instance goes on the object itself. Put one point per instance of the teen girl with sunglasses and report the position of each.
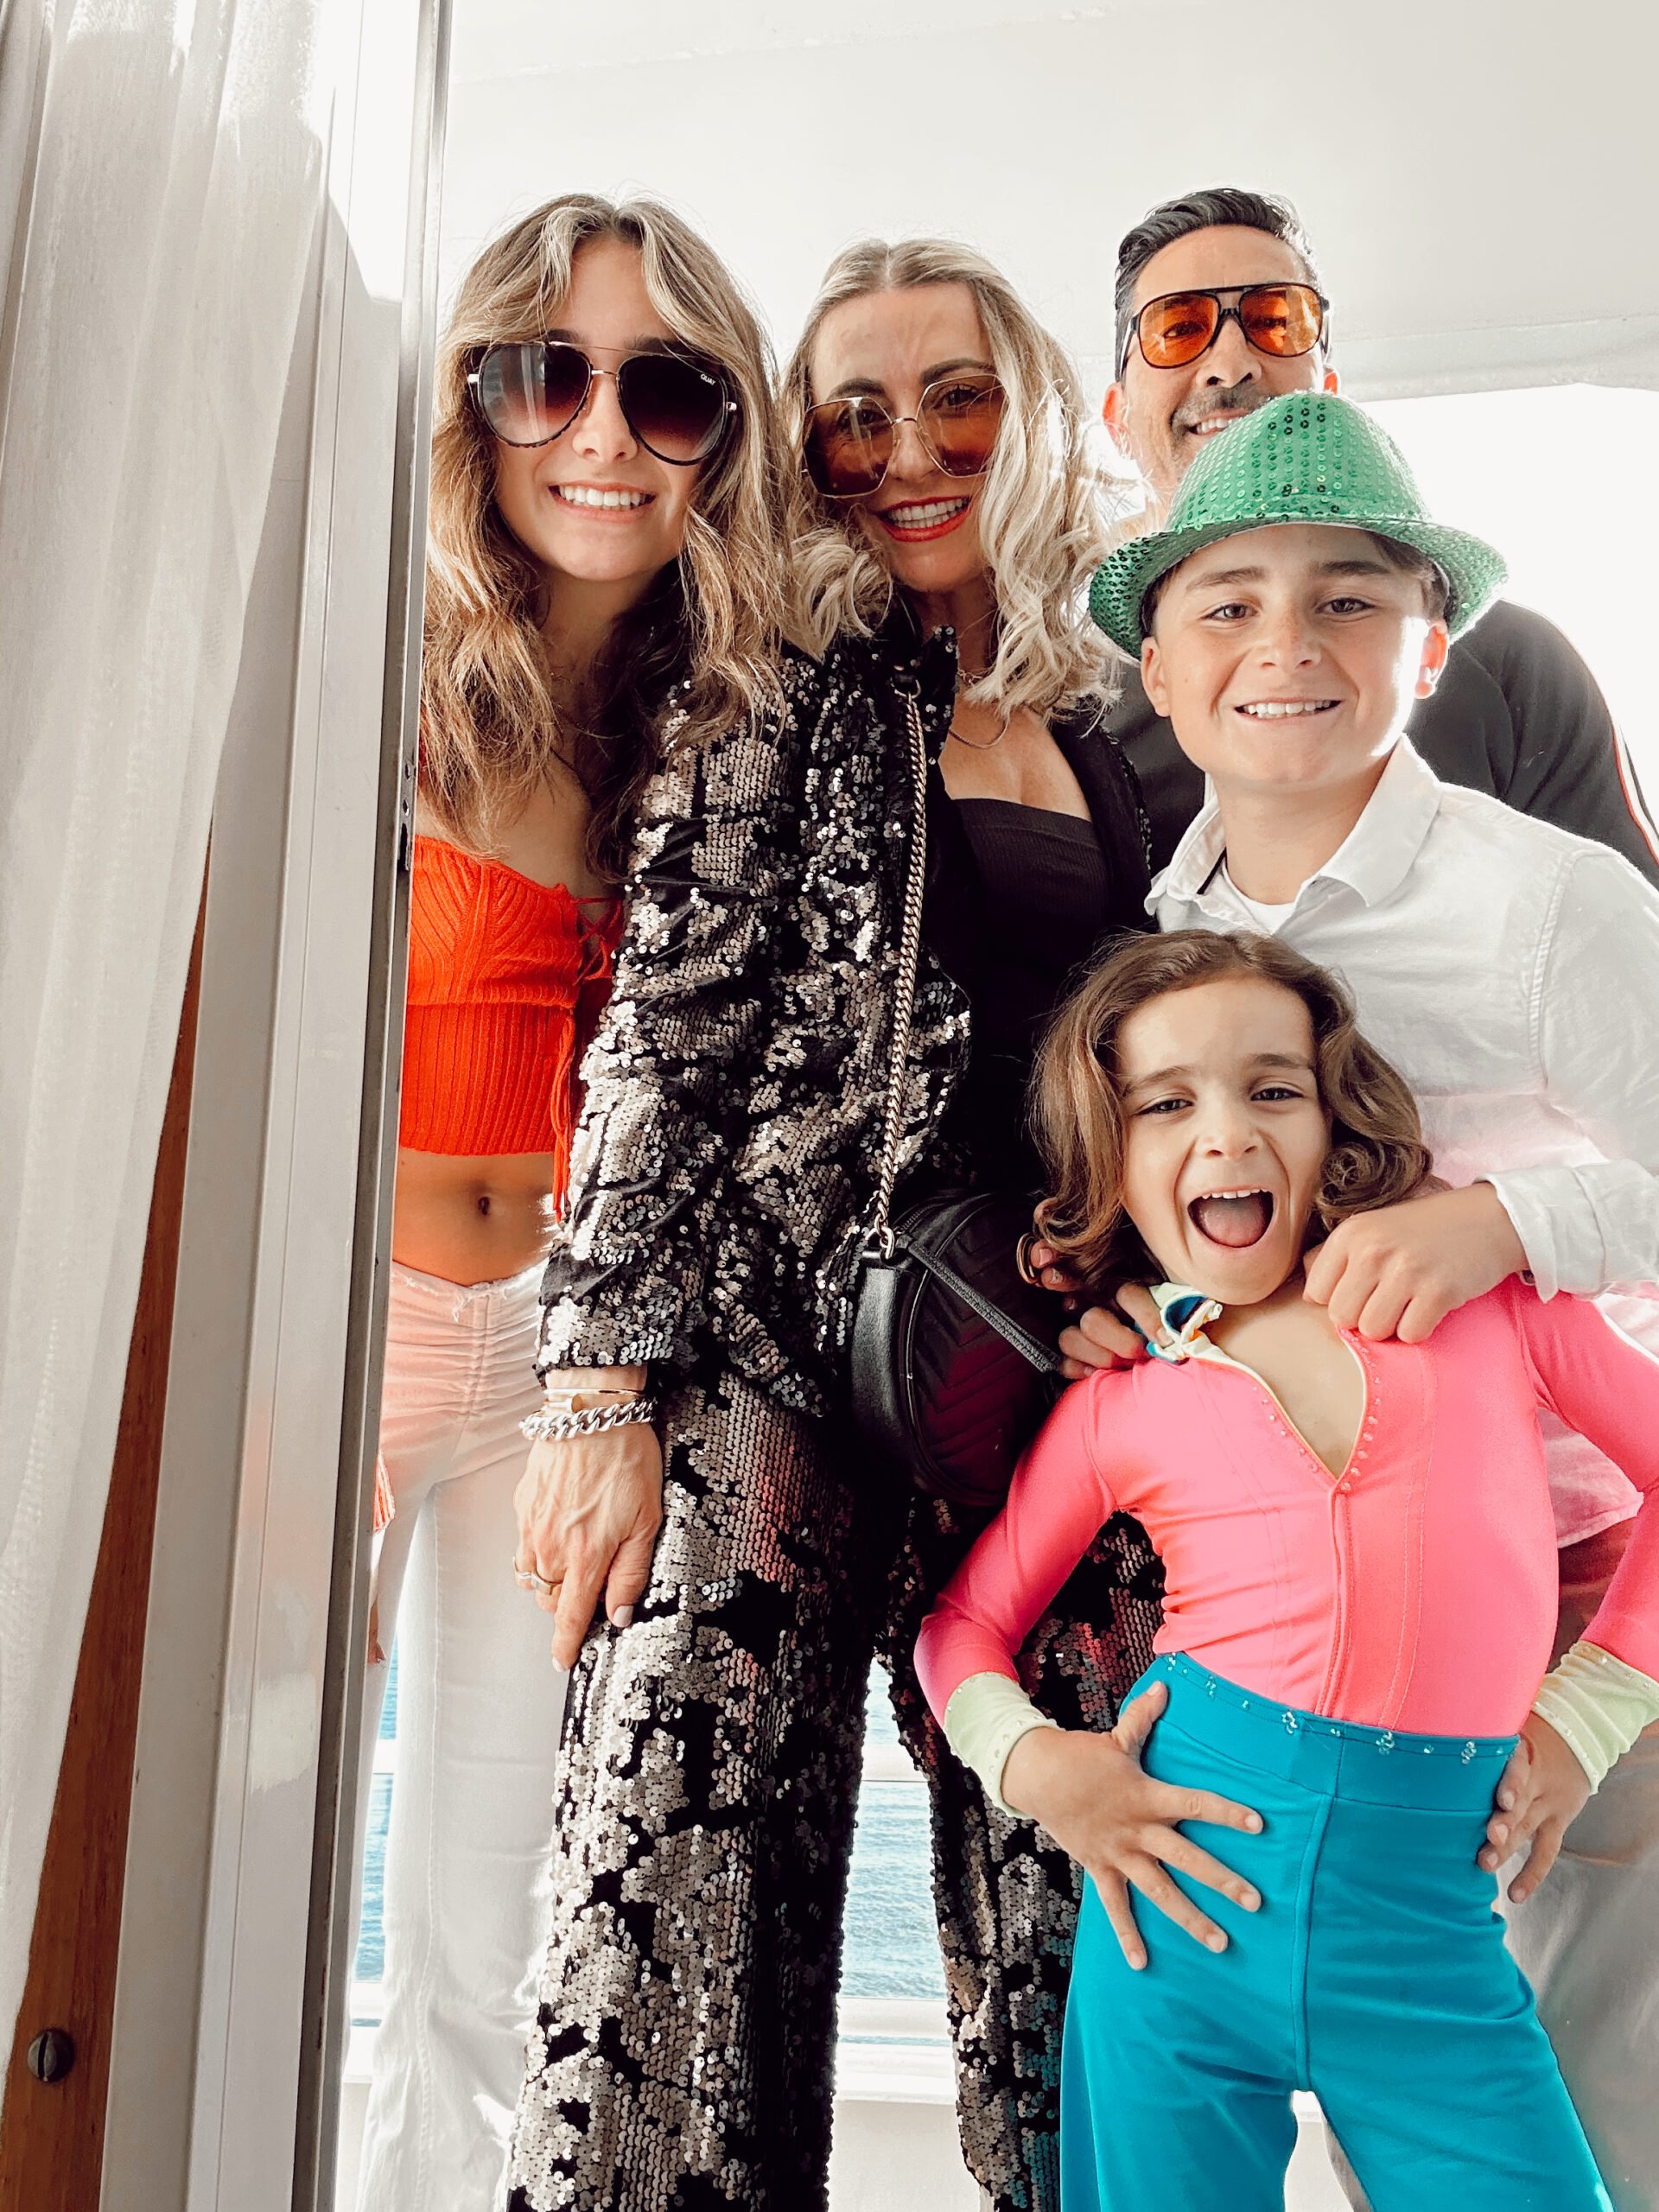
(725, 1164)
(1344, 1733)
(602, 534)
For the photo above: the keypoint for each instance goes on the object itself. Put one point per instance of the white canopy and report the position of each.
(1475, 173)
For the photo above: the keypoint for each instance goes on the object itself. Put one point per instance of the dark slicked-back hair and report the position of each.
(1225, 206)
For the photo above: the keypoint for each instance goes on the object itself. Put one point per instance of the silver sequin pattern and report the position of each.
(683, 2056)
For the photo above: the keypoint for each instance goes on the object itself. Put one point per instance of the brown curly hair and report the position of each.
(1377, 1155)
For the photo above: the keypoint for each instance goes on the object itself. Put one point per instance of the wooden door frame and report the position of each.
(52, 2130)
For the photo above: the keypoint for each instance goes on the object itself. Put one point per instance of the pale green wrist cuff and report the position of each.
(985, 1719)
(1598, 1705)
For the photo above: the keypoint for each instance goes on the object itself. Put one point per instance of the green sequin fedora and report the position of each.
(1307, 457)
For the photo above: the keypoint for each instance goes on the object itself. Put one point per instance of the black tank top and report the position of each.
(1043, 890)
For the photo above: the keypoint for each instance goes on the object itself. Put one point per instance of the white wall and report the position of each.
(1468, 168)
(1477, 176)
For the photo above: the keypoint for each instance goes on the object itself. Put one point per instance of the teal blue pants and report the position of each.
(1374, 1974)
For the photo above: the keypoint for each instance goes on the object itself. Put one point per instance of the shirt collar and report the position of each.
(1373, 860)
(1185, 1313)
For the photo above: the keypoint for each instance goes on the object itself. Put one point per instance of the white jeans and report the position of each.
(480, 1705)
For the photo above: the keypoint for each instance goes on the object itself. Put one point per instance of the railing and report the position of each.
(893, 2044)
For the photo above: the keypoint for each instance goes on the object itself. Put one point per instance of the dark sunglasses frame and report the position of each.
(993, 386)
(725, 406)
(1238, 294)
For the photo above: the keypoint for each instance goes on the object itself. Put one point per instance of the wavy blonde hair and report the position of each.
(709, 631)
(1046, 514)
(1377, 1157)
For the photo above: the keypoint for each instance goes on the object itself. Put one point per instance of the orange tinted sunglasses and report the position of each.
(1282, 321)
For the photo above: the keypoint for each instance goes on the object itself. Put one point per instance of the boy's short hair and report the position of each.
(1437, 590)
(1223, 207)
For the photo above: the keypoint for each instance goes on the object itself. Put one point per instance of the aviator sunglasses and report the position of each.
(849, 442)
(530, 392)
(1285, 321)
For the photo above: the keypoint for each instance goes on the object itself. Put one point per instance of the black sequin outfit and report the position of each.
(684, 2052)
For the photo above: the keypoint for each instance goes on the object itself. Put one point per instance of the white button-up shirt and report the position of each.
(1510, 972)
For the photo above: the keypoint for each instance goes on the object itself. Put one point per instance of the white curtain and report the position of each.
(159, 169)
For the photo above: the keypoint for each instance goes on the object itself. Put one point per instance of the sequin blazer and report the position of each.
(724, 1165)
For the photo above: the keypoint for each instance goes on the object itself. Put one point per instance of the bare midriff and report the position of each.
(508, 958)
(472, 1220)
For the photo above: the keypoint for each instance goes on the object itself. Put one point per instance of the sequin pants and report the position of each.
(683, 2055)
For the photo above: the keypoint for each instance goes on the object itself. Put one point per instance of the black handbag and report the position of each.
(953, 1364)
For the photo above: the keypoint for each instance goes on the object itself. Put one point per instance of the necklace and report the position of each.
(981, 744)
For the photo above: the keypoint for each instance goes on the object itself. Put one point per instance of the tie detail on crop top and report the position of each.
(506, 980)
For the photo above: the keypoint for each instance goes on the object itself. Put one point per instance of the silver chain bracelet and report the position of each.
(590, 1423)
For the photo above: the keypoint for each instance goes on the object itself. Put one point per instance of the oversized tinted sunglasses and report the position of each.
(848, 444)
(1284, 321)
(530, 392)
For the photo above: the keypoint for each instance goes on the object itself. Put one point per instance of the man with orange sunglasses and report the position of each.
(1219, 310)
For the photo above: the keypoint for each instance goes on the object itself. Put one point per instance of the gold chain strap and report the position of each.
(878, 1240)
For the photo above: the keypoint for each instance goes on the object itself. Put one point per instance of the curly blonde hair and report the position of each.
(1047, 515)
(1377, 1156)
(709, 630)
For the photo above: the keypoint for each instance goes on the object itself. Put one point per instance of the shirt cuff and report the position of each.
(1585, 1229)
(1535, 1223)
(1598, 1705)
(984, 1718)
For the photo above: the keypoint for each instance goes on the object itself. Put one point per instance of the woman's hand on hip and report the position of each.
(1092, 1795)
(1540, 1794)
(588, 1509)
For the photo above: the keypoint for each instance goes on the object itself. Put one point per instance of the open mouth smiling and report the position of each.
(1276, 710)
(1233, 1219)
(1223, 420)
(919, 519)
(601, 498)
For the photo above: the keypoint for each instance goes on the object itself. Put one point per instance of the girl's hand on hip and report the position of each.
(588, 1509)
(1540, 1794)
(1399, 1271)
(1093, 1796)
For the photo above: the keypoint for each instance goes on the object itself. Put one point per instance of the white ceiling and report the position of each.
(1478, 175)
(494, 38)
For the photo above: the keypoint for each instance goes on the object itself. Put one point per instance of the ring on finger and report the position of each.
(527, 1579)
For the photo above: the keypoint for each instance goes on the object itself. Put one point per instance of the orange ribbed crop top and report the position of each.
(506, 979)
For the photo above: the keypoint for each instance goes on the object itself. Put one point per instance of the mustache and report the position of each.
(1241, 398)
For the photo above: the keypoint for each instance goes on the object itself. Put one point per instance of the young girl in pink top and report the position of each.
(1361, 1568)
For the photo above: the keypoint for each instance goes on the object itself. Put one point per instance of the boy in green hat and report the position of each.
(1297, 602)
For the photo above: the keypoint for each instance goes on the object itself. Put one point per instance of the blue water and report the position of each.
(892, 1947)
(370, 1943)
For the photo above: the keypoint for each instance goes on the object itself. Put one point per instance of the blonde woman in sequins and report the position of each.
(684, 2054)
(602, 531)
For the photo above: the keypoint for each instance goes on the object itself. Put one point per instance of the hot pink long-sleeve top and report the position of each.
(1417, 1590)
